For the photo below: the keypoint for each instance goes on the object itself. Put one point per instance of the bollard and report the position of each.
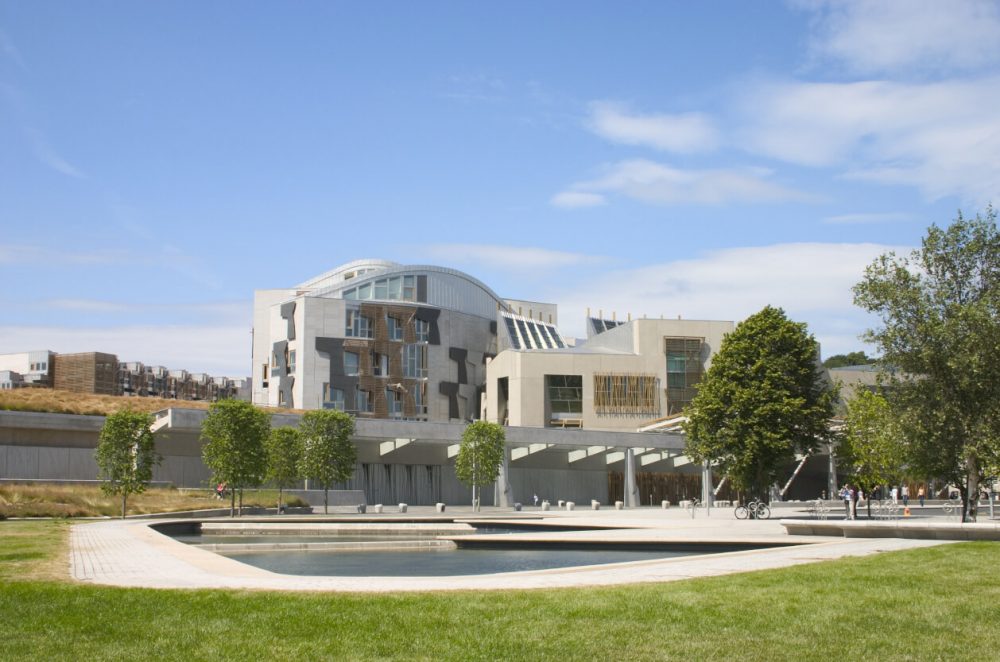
(664, 504)
(362, 508)
(561, 503)
(377, 508)
(402, 507)
(570, 505)
(517, 507)
(440, 507)
(546, 505)
(595, 504)
(619, 505)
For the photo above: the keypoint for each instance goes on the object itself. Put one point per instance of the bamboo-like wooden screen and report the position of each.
(626, 393)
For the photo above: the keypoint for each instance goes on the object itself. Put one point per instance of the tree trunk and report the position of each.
(326, 501)
(279, 499)
(241, 502)
(232, 503)
(124, 499)
(972, 494)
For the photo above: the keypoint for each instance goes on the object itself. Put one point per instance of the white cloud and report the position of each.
(508, 257)
(811, 281)
(658, 183)
(942, 137)
(217, 350)
(577, 199)
(684, 133)
(48, 156)
(885, 35)
(867, 218)
(37, 255)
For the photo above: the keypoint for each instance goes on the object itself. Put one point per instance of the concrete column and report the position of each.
(631, 485)
(706, 484)
(831, 478)
(503, 492)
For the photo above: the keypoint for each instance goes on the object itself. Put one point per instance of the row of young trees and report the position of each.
(764, 398)
(242, 450)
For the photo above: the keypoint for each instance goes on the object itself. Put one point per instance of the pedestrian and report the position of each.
(906, 494)
(854, 492)
(535, 497)
(920, 495)
(845, 496)
(894, 495)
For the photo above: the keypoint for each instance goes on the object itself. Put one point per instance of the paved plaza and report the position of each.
(130, 553)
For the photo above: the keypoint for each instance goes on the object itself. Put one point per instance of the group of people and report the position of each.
(852, 494)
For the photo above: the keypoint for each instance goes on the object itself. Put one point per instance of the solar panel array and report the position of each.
(600, 326)
(526, 333)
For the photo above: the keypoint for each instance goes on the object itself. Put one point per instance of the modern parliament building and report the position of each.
(415, 352)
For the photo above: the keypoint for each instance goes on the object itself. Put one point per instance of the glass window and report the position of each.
(380, 364)
(291, 361)
(381, 291)
(333, 398)
(363, 400)
(351, 294)
(394, 401)
(415, 361)
(565, 397)
(418, 400)
(395, 328)
(423, 330)
(395, 288)
(358, 326)
(409, 288)
(365, 291)
(350, 364)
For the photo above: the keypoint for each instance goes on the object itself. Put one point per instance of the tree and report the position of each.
(849, 359)
(328, 454)
(234, 433)
(284, 453)
(940, 335)
(479, 456)
(871, 445)
(126, 454)
(763, 398)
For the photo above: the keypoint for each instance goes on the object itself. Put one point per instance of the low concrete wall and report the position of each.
(895, 529)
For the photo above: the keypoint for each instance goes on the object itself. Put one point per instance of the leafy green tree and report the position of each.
(871, 445)
(235, 433)
(849, 359)
(126, 454)
(479, 456)
(328, 454)
(763, 398)
(940, 333)
(284, 453)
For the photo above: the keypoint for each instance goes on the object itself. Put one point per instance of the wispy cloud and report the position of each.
(812, 281)
(11, 51)
(509, 257)
(577, 199)
(49, 157)
(683, 133)
(11, 254)
(940, 137)
(889, 35)
(663, 184)
(235, 311)
(867, 218)
(215, 349)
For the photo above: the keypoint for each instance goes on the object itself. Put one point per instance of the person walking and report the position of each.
(854, 494)
(846, 498)
(894, 495)
(920, 495)
(906, 494)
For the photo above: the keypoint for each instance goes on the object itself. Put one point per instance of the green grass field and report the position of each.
(927, 604)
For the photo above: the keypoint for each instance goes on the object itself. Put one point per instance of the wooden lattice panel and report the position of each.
(626, 394)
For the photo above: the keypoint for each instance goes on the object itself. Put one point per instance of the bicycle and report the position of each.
(952, 507)
(754, 510)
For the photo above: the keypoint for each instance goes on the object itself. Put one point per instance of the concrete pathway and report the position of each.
(130, 553)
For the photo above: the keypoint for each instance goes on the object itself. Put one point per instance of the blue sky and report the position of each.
(160, 161)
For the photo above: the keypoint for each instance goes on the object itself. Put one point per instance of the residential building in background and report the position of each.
(26, 369)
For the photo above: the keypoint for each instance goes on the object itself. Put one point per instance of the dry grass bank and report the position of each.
(89, 404)
(42, 500)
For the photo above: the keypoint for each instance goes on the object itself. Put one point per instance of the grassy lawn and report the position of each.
(44, 500)
(927, 604)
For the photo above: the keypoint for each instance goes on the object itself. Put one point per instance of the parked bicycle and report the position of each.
(754, 510)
